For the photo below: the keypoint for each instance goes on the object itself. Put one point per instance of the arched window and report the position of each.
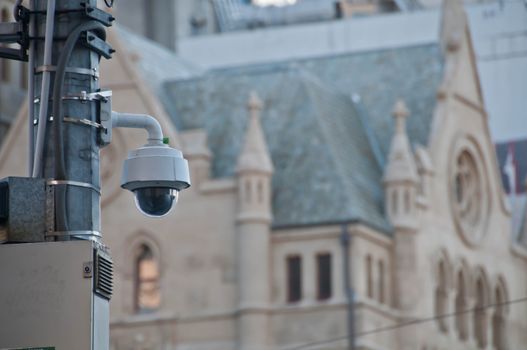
(147, 291)
(382, 277)
(461, 307)
(441, 297)
(395, 199)
(4, 15)
(369, 277)
(260, 191)
(407, 201)
(499, 340)
(247, 191)
(480, 321)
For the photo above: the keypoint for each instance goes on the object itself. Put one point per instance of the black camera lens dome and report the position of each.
(155, 201)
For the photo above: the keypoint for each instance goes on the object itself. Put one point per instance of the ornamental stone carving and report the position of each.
(468, 191)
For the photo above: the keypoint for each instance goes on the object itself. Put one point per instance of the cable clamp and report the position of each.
(81, 234)
(73, 183)
(86, 122)
(84, 71)
(92, 96)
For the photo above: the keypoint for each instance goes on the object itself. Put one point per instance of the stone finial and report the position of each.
(254, 155)
(401, 165)
(453, 24)
(400, 110)
(400, 113)
(254, 104)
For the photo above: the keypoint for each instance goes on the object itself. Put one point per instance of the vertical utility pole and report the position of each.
(56, 290)
(67, 145)
(345, 240)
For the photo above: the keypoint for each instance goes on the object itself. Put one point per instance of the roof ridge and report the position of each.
(329, 140)
(354, 185)
(351, 186)
(364, 119)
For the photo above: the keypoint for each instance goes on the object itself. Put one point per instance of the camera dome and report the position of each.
(155, 201)
(155, 174)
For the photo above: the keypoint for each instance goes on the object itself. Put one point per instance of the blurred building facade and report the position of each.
(388, 142)
(261, 34)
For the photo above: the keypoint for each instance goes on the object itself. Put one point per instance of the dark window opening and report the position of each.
(294, 279)
(369, 277)
(324, 276)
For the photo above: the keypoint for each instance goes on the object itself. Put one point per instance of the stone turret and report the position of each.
(401, 180)
(254, 169)
(401, 186)
(254, 172)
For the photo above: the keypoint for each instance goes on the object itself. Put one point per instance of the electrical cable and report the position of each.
(31, 89)
(44, 91)
(58, 140)
(405, 324)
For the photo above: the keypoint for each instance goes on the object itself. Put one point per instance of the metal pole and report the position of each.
(345, 239)
(77, 207)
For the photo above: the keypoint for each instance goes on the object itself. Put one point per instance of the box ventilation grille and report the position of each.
(103, 275)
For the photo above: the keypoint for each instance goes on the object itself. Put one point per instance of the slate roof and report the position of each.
(327, 150)
(157, 64)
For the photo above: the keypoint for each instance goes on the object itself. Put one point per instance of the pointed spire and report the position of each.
(400, 113)
(401, 165)
(254, 155)
(453, 24)
(255, 104)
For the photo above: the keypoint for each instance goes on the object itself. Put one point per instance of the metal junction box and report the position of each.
(23, 211)
(55, 295)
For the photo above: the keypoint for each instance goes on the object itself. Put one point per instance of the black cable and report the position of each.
(58, 140)
(406, 324)
(109, 3)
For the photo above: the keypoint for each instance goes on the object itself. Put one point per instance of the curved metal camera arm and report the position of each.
(139, 121)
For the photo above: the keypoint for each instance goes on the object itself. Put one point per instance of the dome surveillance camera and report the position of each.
(155, 174)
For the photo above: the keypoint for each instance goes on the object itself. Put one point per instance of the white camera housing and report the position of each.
(155, 174)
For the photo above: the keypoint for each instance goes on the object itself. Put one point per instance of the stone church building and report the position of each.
(389, 148)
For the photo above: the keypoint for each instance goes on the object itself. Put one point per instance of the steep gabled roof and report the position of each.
(324, 168)
(157, 63)
(380, 77)
(322, 146)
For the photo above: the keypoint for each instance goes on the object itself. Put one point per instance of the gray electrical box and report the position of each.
(55, 295)
(23, 211)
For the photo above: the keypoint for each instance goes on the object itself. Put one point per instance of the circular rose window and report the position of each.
(468, 196)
